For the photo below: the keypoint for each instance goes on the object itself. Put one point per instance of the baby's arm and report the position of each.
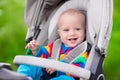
(33, 45)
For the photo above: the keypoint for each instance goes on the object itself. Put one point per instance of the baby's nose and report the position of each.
(72, 32)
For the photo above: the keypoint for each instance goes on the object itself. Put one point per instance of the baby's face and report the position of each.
(72, 29)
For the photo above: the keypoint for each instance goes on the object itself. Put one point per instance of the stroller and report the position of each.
(43, 13)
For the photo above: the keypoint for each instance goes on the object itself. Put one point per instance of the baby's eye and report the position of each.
(66, 30)
(77, 29)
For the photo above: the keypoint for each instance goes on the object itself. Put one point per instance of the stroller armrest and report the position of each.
(53, 64)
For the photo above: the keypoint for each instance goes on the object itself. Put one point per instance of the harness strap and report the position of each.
(80, 49)
(56, 49)
(76, 52)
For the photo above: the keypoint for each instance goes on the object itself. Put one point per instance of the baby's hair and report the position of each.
(72, 11)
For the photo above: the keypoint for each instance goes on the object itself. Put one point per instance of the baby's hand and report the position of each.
(50, 71)
(33, 45)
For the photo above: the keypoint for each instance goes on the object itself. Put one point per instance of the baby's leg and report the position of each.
(30, 71)
(63, 77)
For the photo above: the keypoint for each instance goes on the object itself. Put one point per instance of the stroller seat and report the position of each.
(99, 26)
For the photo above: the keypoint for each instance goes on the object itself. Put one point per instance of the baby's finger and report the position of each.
(27, 46)
(35, 43)
(50, 71)
(32, 44)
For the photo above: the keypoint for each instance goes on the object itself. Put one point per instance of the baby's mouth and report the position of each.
(73, 39)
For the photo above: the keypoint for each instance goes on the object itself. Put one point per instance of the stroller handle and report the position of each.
(53, 64)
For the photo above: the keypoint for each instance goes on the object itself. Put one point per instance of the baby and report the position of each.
(71, 29)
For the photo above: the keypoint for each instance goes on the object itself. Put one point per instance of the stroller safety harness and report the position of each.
(72, 55)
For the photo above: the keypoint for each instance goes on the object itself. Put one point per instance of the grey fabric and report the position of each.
(36, 11)
(76, 52)
(102, 31)
(31, 6)
(29, 11)
(100, 22)
(56, 49)
(43, 36)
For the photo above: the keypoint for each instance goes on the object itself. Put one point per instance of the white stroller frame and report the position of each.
(98, 36)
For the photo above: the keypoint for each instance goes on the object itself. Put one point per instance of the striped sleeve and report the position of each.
(45, 51)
